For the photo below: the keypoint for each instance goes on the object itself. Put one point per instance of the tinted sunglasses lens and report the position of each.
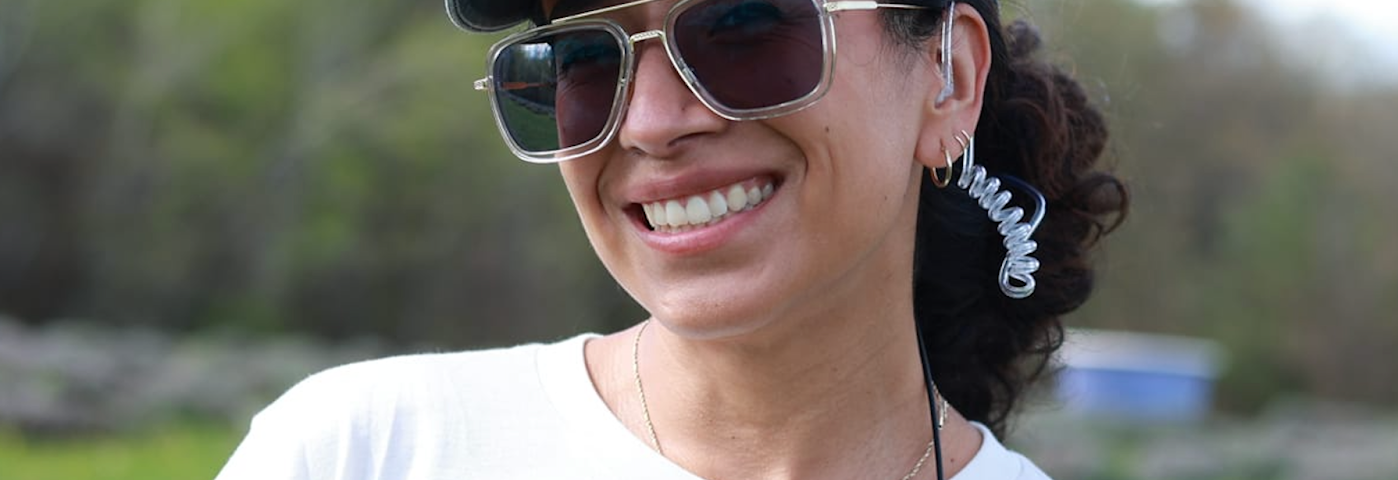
(751, 54)
(557, 91)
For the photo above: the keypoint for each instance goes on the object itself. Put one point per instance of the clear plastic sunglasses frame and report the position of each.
(627, 42)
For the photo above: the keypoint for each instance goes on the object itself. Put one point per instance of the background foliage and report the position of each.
(274, 166)
(262, 167)
(1264, 195)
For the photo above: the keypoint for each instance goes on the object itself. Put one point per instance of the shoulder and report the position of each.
(432, 410)
(995, 462)
(415, 373)
(401, 388)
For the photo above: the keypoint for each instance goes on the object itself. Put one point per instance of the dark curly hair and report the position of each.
(1036, 124)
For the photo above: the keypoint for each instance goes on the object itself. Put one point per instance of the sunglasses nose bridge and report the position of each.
(681, 67)
(639, 37)
(646, 35)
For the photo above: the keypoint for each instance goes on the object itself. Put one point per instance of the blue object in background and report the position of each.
(1135, 376)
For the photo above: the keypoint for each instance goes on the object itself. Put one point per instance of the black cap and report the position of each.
(496, 15)
(489, 15)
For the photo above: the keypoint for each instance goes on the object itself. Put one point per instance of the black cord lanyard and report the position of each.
(932, 401)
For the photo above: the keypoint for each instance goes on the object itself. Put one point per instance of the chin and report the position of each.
(704, 318)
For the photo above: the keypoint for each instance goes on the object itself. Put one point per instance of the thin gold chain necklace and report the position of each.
(655, 442)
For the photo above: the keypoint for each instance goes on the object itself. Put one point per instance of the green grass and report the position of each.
(533, 129)
(180, 451)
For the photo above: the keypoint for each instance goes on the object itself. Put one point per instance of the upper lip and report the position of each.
(684, 184)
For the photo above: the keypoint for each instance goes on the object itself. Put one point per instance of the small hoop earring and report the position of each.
(942, 182)
(968, 155)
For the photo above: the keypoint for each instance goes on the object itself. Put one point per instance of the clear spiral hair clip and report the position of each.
(949, 83)
(1017, 271)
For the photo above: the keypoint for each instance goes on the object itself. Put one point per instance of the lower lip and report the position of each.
(701, 240)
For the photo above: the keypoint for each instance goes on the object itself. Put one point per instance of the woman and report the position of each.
(803, 223)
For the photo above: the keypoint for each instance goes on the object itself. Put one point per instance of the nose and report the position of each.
(664, 116)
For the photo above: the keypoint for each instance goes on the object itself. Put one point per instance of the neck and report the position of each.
(833, 395)
(777, 381)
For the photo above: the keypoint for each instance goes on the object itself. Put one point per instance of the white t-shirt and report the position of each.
(527, 412)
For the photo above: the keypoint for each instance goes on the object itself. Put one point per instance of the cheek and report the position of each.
(581, 176)
(581, 184)
(862, 161)
(585, 178)
(861, 175)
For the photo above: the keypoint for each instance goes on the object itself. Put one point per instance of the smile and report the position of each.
(697, 211)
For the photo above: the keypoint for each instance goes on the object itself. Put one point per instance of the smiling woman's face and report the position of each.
(719, 227)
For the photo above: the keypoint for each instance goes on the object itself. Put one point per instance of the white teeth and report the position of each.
(675, 215)
(658, 211)
(650, 213)
(737, 198)
(698, 211)
(705, 209)
(717, 204)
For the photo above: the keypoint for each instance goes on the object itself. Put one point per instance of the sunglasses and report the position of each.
(560, 91)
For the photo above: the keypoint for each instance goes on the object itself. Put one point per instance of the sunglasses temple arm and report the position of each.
(847, 5)
(600, 11)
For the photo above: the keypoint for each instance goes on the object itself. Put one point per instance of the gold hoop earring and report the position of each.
(969, 155)
(939, 181)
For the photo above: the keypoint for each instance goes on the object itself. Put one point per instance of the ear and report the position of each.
(960, 110)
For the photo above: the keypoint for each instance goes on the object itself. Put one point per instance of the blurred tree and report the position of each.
(1262, 198)
(265, 166)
